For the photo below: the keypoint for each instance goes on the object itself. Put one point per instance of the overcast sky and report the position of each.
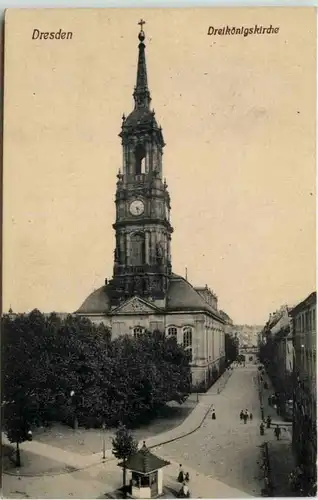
(238, 118)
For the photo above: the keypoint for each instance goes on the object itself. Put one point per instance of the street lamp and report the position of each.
(104, 445)
(75, 421)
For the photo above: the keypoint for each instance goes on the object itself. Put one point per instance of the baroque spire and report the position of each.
(141, 93)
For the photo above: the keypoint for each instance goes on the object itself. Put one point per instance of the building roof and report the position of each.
(144, 461)
(310, 300)
(142, 116)
(97, 302)
(182, 296)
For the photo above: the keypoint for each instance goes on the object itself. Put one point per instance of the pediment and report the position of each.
(136, 305)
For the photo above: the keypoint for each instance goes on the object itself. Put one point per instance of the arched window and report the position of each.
(137, 241)
(187, 336)
(138, 331)
(140, 160)
(187, 341)
(172, 331)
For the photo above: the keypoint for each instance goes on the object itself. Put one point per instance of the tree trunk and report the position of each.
(18, 457)
(124, 479)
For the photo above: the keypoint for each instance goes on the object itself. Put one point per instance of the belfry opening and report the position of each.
(140, 160)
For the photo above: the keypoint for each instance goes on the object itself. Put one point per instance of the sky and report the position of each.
(238, 118)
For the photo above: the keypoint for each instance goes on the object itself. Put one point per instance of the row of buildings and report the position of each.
(288, 349)
(248, 334)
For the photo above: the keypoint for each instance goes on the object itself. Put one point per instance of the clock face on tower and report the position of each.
(137, 207)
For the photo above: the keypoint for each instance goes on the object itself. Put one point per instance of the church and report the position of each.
(144, 293)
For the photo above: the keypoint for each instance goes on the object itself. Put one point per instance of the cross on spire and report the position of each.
(141, 24)
(141, 93)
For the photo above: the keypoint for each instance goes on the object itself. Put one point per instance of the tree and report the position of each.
(68, 370)
(231, 348)
(17, 425)
(124, 445)
(44, 358)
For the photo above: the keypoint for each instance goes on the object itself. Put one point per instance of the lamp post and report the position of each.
(75, 421)
(104, 445)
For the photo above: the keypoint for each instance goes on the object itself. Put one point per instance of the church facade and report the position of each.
(144, 293)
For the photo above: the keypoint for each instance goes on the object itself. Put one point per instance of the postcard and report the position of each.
(159, 304)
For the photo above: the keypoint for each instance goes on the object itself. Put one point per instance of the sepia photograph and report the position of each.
(159, 253)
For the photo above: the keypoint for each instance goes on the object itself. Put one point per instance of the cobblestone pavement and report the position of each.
(226, 448)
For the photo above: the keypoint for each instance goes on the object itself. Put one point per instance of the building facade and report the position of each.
(144, 293)
(305, 388)
(277, 345)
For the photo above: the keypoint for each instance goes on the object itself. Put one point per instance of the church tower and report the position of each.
(142, 257)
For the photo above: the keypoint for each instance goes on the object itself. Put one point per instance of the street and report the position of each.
(226, 448)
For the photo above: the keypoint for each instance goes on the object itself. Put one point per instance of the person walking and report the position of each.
(277, 432)
(245, 417)
(213, 415)
(262, 429)
(181, 474)
(242, 415)
(187, 477)
(251, 416)
(184, 492)
(268, 422)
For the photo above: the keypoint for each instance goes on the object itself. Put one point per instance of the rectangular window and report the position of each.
(301, 323)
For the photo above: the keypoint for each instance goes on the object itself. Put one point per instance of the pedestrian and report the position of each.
(213, 415)
(184, 492)
(181, 474)
(277, 432)
(268, 422)
(262, 429)
(241, 415)
(251, 416)
(187, 477)
(245, 418)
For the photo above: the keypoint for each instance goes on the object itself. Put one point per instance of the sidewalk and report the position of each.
(200, 486)
(76, 461)
(281, 462)
(281, 459)
(270, 410)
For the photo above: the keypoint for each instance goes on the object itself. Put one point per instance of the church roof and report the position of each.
(97, 302)
(182, 296)
(141, 116)
(144, 461)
